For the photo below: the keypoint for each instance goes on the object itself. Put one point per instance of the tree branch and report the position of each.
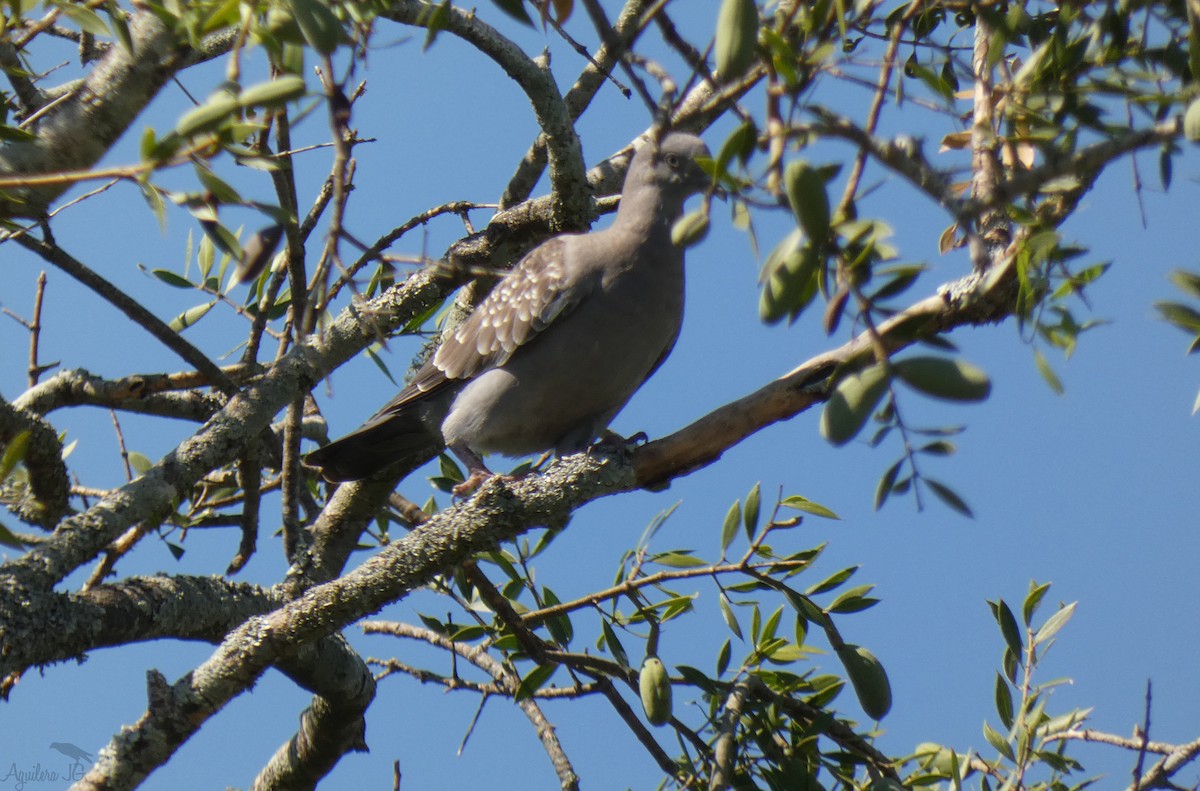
(505, 679)
(49, 485)
(628, 26)
(80, 130)
(164, 395)
(570, 206)
(133, 309)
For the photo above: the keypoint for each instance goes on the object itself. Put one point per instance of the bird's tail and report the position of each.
(378, 444)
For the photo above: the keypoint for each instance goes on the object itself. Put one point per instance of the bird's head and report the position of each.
(668, 172)
(674, 162)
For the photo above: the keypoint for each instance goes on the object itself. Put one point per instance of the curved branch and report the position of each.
(499, 512)
(332, 725)
(628, 26)
(49, 485)
(974, 299)
(150, 394)
(223, 438)
(505, 679)
(571, 207)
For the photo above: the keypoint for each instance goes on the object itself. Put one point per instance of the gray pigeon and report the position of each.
(558, 346)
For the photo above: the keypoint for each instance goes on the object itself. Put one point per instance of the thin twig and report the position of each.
(55, 255)
(35, 332)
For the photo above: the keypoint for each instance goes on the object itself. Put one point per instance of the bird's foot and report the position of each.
(612, 441)
(472, 483)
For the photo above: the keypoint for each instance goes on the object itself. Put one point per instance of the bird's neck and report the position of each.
(646, 213)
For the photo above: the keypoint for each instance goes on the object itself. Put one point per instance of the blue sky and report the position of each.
(1093, 490)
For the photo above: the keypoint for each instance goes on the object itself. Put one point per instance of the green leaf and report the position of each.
(14, 453)
(190, 316)
(1185, 281)
(1004, 702)
(997, 741)
(942, 377)
(1182, 316)
(320, 26)
(751, 511)
(172, 279)
(853, 604)
(886, 482)
(869, 680)
(223, 239)
(697, 679)
(220, 190)
(15, 134)
(272, 93)
(805, 607)
(534, 680)
(87, 20)
(723, 657)
(614, 645)
(851, 403)
(8, 538)
(806, 505)
(678, 560)
(771, 626)
(434, 20)
(515, 9)
(1036, 593)
(176, 550)
(730, 618)
(1047, 372)
(1008, 627)
(139, 462)
(208, 117)
(832, 581)
(737, 33)
(732, 519)
(382, 366)
(806, 193)
(1053, 624)
(949, 497)
(789, 278)
(690, 229)
(119, 23)
(560, 625)
(786, 654)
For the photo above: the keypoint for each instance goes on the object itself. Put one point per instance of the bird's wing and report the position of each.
(521, 305)
(525, 302)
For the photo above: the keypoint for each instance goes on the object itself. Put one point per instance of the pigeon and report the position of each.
(560, 344)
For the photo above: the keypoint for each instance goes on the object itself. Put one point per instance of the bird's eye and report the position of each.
(672, 160)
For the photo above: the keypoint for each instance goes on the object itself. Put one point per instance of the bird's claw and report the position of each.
(472, 483)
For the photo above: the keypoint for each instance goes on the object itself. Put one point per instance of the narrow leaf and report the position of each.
(808, 506)
(730, 618)
(751, 512)
(729, 529)
(534, 680)
(1004, 702)
(190, 316)
(1054, 623)
(949, 497)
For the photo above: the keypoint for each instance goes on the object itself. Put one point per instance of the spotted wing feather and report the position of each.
(521, 305)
